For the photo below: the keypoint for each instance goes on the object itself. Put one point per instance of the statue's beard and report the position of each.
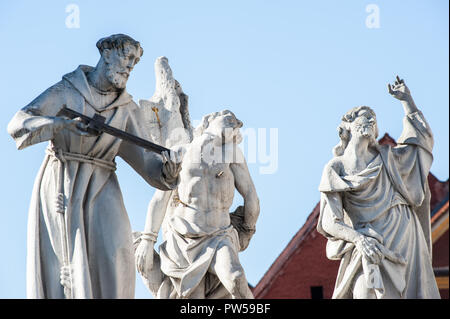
(367, 131)
(116, 78)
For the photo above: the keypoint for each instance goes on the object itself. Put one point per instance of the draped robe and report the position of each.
(186, 260)
(98, 231)
(389, 201)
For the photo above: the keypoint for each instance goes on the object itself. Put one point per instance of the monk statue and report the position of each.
(80, 241)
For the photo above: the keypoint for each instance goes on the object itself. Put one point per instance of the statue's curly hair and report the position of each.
(344, 129)
(208, 119)
(118, 41)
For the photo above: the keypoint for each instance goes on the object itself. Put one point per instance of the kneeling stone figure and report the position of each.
(201, 239)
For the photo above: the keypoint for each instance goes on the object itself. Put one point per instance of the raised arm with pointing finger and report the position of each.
(374, 207)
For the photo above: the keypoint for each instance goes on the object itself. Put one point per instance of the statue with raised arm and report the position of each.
(80, 242)
(374, 206)
(201, 238)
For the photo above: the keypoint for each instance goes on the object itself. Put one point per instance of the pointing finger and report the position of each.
(390, 89)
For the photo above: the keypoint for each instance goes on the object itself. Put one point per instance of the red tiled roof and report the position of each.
(277, 267)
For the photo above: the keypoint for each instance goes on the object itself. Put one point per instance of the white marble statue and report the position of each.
(374, 207)
(80, 241)
(166, 113)
(201, 239)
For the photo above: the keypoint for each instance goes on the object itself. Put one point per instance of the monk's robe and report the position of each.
(98, 232)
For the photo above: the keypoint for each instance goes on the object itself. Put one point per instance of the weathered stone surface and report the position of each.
(79, 235)
(201, 239)
(375, 206)
(166, 113)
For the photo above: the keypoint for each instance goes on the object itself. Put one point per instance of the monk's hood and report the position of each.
(79, 81)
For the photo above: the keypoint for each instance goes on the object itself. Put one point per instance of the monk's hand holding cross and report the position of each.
(75, 125)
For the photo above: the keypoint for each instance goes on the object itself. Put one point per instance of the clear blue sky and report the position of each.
(292, 65)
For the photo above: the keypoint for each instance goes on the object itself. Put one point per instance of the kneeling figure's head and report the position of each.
(223, 124)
